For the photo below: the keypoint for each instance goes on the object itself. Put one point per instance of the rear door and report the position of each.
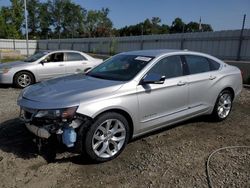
(75, 62)
(52, 66)
(202, 80)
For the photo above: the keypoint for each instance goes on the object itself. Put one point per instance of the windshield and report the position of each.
(120, 67)
(35, 57)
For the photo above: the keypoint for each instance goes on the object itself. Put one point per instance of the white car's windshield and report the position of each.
(35, 57)
(121, 67)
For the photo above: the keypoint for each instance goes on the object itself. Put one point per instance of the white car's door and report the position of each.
(75, 62)
(161, 103)
(202, 81)
(52, 66)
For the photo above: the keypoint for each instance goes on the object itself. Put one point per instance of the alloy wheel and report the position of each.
(109, 138)
(224, 105)
(24, 80)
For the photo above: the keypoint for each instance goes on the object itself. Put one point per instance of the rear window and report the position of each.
(214, 65)
(74, 57)
(197, 64)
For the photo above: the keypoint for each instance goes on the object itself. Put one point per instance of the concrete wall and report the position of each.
(20, 45)
(222, 44)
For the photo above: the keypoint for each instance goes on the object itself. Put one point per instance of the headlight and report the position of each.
(65, 113)
(4, 70)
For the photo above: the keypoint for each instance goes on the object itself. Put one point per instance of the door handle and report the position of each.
(212, 77)
(61, 65)
(180, 83)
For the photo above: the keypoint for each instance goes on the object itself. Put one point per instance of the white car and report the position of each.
(46, 65)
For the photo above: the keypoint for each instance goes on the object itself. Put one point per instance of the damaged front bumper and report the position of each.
(66, 129)
(38, 131)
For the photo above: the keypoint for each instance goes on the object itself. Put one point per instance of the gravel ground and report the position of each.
(173, 157)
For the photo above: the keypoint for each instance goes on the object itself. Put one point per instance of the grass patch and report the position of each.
(10, 60)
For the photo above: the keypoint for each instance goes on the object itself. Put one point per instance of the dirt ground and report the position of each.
(173, 157)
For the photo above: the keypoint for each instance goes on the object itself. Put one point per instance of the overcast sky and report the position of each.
(221, 14)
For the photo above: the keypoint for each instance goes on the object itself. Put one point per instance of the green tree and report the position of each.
(9, 29)
(11, 19)
(164, 29)
(17, 18)
(148, 27)
(98, 23)
(156, 20)
(73, 21)
(45, 19)
(206, 27)
(156, 27)
(57, 16)
(33, 17)
(192, 27)
(3, 27)
(68, 18)
(178, 26)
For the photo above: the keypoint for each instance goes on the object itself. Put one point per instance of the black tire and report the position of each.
(88, 138)
(29, 76)
(215, 114)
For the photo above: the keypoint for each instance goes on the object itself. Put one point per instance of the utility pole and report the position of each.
(26, 28)
(241, 37)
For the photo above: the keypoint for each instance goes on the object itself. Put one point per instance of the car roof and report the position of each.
(154, 53)
(160, 52)
(49, 51)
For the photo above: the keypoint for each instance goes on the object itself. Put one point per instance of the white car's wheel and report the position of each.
(23, 79)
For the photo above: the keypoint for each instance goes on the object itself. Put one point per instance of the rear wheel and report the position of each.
(223, 105)
(23, 79)
(107, 137)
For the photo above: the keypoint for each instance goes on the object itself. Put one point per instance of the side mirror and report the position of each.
(153, 78)
(44, 61)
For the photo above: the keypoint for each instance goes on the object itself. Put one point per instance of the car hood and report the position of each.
(14, 64)
(70, 90)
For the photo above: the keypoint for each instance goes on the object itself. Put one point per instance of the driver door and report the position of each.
(52, 66)
(162, 103)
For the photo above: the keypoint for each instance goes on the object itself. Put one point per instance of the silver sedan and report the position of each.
(128, 95)
(45, 65)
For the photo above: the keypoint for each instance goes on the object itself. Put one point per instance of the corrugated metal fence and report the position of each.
(222, 44)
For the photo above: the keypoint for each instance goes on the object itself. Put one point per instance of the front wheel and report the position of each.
(107, 137)
(223, 105)
(23, 79)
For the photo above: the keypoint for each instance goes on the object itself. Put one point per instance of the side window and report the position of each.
(170, 67)
(56, 57)
(197, 64)
(213, 65)
(71, 56)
